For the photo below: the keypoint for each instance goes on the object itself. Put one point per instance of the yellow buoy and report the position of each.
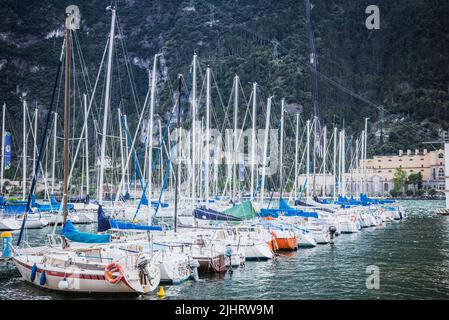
(161, 293)
(6, 234)
(135, 220)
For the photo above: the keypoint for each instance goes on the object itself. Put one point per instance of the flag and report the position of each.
(241, 171)
(7, 150)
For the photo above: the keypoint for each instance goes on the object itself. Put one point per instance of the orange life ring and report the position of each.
(109, 271)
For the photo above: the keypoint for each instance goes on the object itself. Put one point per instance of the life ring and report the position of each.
(110, 270)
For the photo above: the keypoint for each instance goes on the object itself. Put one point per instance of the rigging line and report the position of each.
(129, 70)
(328, 79)
(88, 111)
(40, 152)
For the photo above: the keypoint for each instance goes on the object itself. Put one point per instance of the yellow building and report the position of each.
(380, 169)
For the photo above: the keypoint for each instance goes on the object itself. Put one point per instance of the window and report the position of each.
(379, 160)
(421, 159)
(389, 170)
(441, 155)
(434, 175)
(380, 171)
(400, 159)
(441, 173)
(380, 167)
(410, 159)
(389, 160)
(422, 166)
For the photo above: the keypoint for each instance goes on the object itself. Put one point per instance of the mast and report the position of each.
(194, 135)
(122, 157)
(364, 157)
(236, 106)
(161, 156)
(177, 150)
(150, 134)
(253, 140)
(87, 144)
(265, 149)
(106, 106)
(281, 156)
(24, 152)
(308, 159)
(295, 185)
(324, 159)
(66, 115)
(208, 98)
(34, 138)
(334, 171)
(53, 165)
(3, 149)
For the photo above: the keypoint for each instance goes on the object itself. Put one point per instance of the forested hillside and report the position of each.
(403, 67)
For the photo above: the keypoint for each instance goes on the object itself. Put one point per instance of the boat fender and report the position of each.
(43, 279)
(228, 251)
(63, 284)
(33, 272)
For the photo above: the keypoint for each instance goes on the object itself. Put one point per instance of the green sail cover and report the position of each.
(244, 211)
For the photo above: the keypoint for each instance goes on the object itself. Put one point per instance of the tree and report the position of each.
(400, 180)
(415, 179)
(432, 192)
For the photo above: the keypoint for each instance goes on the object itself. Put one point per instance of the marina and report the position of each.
(175, 178)
(325, 272)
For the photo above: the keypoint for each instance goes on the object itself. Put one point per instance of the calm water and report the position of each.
(412, 256)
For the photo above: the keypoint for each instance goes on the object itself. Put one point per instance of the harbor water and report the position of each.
(412, 257)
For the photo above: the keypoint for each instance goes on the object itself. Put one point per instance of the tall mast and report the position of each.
(122, 156)
(295, 185)
(334, 171)
(3, 149)
(106, 106)
(308, 159)
(178, 146)
(161, 155)
(86, 119)
(236, 110)
(35, 138)
(208, 98)
(253, 140)
(265, 149)
(365, 189)
(66, 115)
(194, 135)
(324, 159)
(24, 152)
(281, 156)
(150, 133)
(53, 165)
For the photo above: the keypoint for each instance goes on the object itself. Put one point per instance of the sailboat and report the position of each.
(97, 267)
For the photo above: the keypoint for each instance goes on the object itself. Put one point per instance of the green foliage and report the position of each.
(415, 179)
(399, 180)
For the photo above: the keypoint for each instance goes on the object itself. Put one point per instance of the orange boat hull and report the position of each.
(289, 244)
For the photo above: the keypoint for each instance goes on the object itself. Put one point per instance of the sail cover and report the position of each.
(243, 211)
(70, 232)
(106, 223)
(209, 214)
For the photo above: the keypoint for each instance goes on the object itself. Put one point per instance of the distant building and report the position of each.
(380, 172)
(380, 169)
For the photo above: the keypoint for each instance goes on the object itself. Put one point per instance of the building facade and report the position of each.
(381, 169)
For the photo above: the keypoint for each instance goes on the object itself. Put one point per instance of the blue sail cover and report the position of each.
(106, 223)
(287, 210)
(209, 214)
(70, 232)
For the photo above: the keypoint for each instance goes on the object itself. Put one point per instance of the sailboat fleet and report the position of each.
(189, 202)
